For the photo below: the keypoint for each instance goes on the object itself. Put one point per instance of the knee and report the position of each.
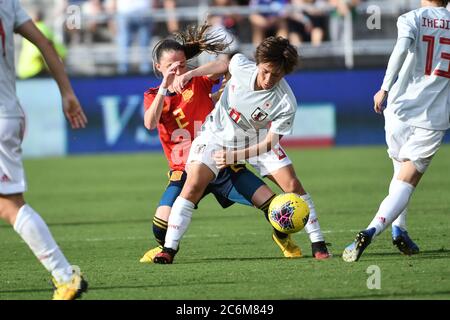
(192, 192)
(9, 208)
(7, 215)
(294, 185)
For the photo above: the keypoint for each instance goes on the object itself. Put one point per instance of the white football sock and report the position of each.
(392, 205)
(33, 230)
(312, 228)
(401, 220)
(179, 220)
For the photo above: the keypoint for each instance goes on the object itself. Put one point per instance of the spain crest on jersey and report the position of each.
(259, 114)
(187, 95)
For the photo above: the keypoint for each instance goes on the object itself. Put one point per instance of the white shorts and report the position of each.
(203, 148)
(270, 161)
(12, 175)
(407, 142)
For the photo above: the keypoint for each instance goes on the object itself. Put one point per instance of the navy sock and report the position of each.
(159, 230)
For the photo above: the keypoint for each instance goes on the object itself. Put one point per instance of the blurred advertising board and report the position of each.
(336, 108)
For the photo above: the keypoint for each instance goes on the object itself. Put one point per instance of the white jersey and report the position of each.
(11, 17)
(243, 116)
(421, 95)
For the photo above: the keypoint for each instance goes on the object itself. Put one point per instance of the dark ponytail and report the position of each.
(196, 40)
(192, 42)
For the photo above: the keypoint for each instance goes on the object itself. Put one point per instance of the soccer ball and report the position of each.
(288, 213)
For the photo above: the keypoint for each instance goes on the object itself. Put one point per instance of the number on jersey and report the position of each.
(431, 41)
(3, 38)
(179, 114)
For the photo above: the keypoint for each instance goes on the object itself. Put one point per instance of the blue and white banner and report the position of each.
(45, 130)
(336, 108)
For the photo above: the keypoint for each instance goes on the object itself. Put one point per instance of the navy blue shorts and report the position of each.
(234, 184)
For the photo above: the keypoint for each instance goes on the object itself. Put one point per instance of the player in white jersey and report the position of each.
(416, 117)
(255, 110)
(68, 282)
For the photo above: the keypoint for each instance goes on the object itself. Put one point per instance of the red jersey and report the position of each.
(181, 118)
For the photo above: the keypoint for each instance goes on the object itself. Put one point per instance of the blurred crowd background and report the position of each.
(115, 37)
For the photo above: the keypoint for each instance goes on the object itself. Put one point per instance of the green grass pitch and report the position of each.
(99, 209)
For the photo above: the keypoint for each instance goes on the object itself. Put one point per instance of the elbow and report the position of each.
(149, 122)
(150, 125)
(224, 66)
(220, 68)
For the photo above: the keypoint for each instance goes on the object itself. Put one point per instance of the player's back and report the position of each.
(11, 17)
(421, 95)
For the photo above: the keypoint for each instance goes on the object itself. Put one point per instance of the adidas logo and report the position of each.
(5, 178)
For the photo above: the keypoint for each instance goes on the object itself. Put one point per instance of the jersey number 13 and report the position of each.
(431, 40)
(3, 39)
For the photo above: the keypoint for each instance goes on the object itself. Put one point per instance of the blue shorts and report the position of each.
(235, 184)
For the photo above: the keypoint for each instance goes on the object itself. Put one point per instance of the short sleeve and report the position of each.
(149, 96)
(236, 62)
(284, 124)
(407, 27)
(20, 16)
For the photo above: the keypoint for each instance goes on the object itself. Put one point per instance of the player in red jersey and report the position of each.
(178, 116)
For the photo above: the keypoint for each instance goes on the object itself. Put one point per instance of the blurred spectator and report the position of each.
(337, 17)
(228, 21)
(299, 24)
(172, 21)
(133, 22)
(268, 23)
(308, 24)
(31, 63)
(226, 24)
(92, 9)
(133, 19)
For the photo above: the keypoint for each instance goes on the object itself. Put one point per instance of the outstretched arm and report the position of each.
(71, 106)
(395, 64)
(213, 70)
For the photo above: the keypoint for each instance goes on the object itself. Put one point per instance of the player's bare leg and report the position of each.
(34, 231)
(288, 181)
(262, 195)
